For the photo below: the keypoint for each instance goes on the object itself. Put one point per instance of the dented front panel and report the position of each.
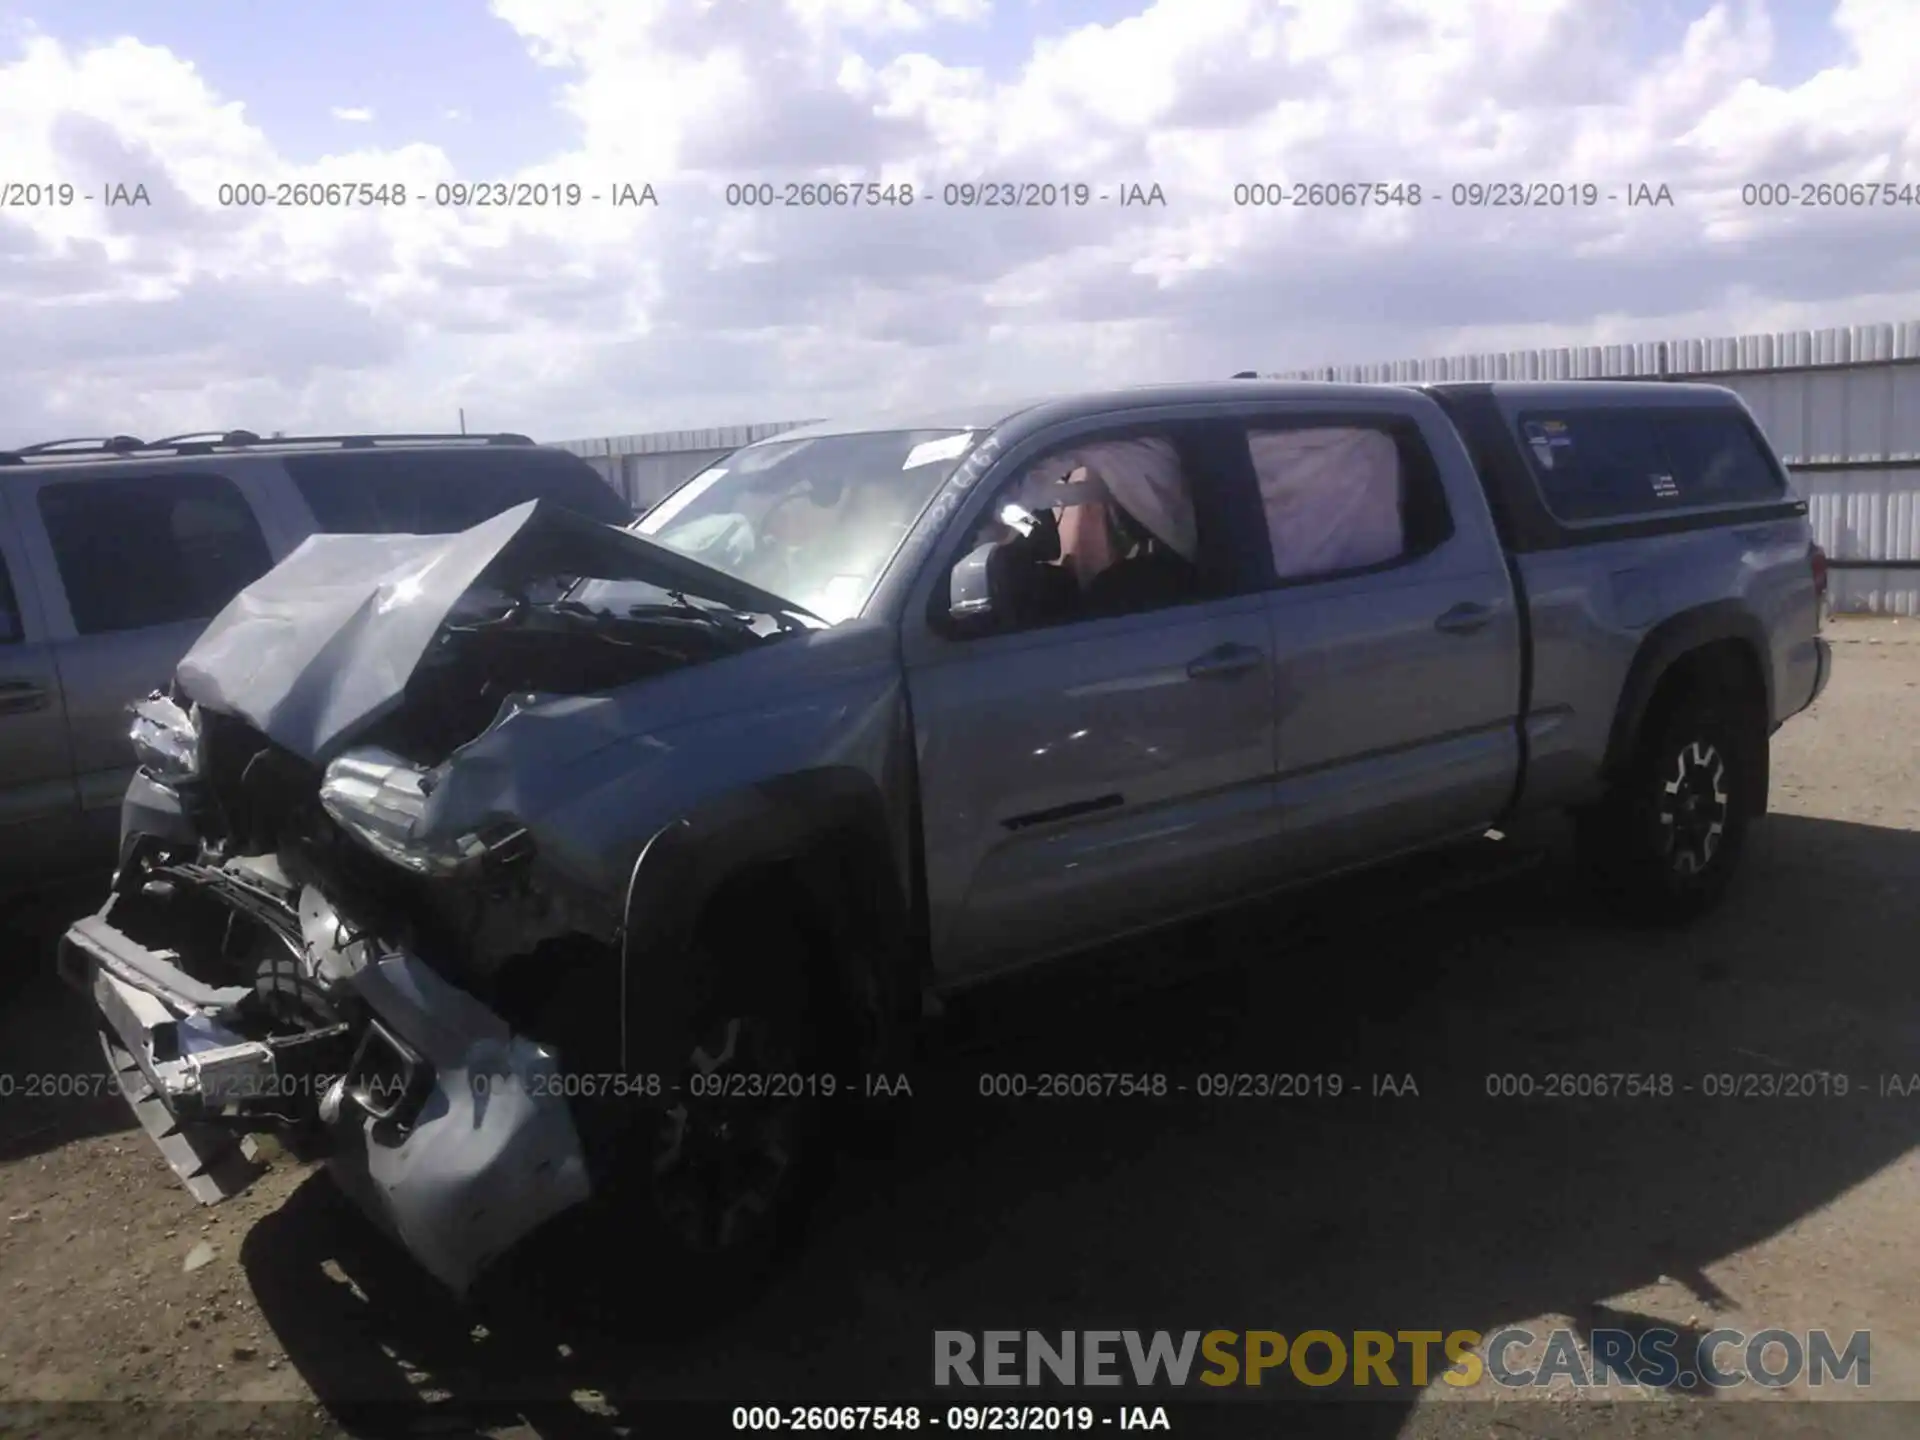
(444, 1119)
(488, 1152)
(459, 1166)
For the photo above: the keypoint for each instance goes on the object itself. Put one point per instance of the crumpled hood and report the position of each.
(322, 646)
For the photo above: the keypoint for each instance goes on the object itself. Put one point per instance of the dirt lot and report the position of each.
(1444, 1210)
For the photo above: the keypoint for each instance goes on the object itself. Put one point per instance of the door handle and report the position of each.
(1223, 662)
(17, 697)
(1463, 619)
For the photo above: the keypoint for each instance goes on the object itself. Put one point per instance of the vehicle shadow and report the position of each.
(54, 1085)
(1443, 1210)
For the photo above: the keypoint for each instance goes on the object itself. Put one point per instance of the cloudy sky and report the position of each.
(580, 319)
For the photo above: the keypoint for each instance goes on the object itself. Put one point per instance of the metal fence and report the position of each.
(645, 468)
(1842, 406)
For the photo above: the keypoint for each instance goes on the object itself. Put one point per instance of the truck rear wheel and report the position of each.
(1666, 841)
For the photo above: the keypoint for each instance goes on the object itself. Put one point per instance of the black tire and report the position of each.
(712, 1193)
(1666, 842)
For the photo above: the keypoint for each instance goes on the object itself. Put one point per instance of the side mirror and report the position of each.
(968, 602)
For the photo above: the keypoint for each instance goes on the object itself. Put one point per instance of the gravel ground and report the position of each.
(1445, 1210)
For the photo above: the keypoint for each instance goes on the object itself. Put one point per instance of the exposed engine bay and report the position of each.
(270, 824)
(511, 650)
(285, 890)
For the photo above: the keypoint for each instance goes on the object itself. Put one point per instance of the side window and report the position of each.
(1596, 465)
(1105, 526)
(438, 492)
(1610, 464)
(1345, 498)
(1717, 461)
(12, 627)
(140, 550)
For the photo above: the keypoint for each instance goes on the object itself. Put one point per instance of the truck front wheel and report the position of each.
(1666, 841)
(713, 1184)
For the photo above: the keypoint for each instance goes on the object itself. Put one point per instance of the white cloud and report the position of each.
(197, 311)
(356, 114)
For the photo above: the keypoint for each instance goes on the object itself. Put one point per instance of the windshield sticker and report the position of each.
(1549, 441)
(950, 448)
(651, 522)
(1664, 487)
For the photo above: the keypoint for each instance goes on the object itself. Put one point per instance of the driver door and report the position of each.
(1088, 776)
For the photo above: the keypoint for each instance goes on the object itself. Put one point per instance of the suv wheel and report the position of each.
(718, 1183)
(1667, 840)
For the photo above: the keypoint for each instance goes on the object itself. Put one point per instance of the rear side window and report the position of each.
(138, 550)
(1342, 498)
(12, 627)
(438, 492)
(1607, 464)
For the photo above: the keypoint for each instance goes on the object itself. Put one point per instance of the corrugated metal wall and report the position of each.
(1852, 438)
(1842, 406)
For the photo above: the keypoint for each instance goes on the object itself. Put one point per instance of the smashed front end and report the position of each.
(306, 938)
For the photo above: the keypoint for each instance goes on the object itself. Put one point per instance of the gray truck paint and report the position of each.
(1031, 793)
(322, 645)
(492, 1152)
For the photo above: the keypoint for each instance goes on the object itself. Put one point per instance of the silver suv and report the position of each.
(115, 553)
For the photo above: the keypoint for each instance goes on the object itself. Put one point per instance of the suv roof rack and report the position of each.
(205, 442)
(198, 442)
(106, 444)
(371, 442)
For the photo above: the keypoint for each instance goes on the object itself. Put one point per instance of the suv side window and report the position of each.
(1341, 499)
(12, 626)
(441, 492)
(1103, 526)
(1613, 464)
(153, 549)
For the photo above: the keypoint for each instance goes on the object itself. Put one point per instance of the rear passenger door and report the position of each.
(137, 563)
(39, 809)
(1393, 617)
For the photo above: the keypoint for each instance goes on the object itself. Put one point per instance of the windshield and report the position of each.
(814, 521)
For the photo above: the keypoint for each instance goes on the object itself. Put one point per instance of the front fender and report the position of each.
(829, 829)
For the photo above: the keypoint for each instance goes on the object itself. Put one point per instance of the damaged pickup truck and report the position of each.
(552, 865)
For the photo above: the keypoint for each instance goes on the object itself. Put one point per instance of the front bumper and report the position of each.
(447, 1128)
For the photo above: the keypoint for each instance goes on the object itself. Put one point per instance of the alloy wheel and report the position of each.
(725, 1154)
(1693, 807)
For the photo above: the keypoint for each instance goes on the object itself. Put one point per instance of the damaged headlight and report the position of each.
(378, 798)
(381, 800)
(166, 739)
